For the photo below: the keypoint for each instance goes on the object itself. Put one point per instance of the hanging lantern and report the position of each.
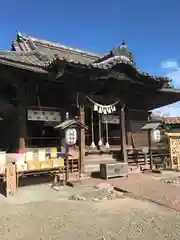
(95, 107)
(156, 135)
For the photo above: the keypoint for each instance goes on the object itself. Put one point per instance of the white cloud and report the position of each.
(169, 64)
(172, 70)
(172, 110)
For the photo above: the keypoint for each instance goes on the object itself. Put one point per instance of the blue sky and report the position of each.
(151, 29)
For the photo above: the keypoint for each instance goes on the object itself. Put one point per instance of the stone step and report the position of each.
(92, 162)
(91, 168)
(98, 161)
(99, 158)
(98, 155)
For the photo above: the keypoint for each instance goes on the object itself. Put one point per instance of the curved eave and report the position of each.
(115, 66)
(23, 66)
(165, 96)
(156, 99)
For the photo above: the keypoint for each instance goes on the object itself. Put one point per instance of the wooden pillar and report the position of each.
(22, 126)
(149, 142)
(10, 175)
(82, 139)
(150, 149)
(127, 126)
(22, 116)
(123, 135)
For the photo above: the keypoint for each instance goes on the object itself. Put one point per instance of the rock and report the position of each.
(55, 188)
(111, 197)
(168, 181)
(77, 198)
(83, 199)
(96, 199)
(119, 195)
(104, 198)
(110, 191)
(104, 186)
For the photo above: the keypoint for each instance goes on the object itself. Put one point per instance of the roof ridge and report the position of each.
(57, 45)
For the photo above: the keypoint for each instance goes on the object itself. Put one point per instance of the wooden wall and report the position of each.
(135, 120)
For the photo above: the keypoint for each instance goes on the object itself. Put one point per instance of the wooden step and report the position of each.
(93, 161)
(98, 158)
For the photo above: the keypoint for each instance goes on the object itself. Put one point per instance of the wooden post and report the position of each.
(11, 185)
(21, 143)
(171, 152)
(127, 125)
(123, 135)
(22, 116)
(22, 126)
(82, 140)
(150, 149)
(67, 155)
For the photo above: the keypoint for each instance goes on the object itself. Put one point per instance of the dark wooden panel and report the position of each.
(140, 139)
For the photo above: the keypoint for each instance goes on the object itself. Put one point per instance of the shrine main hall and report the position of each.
(41, 81)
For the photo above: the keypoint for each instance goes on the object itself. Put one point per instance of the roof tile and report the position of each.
(170, 120)
(50, 49)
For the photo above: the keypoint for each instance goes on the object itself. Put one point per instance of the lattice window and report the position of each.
(175, 151)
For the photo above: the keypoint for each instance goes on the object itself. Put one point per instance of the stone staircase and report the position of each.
(92, 161)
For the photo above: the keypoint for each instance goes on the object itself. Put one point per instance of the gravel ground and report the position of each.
(63, 219)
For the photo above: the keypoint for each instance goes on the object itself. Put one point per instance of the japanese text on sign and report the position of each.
(71, 136)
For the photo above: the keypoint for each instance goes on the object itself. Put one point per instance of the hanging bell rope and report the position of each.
(92, 131)
(107, 134)
(103, 109)
(100, 142)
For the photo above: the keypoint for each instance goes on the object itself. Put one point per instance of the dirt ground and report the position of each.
(49, 215)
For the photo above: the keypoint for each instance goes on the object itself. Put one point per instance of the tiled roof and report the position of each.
(30, 60)
(171, 120)
(51, 49)
(40, 55)
(111, 62)
(36, 61)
